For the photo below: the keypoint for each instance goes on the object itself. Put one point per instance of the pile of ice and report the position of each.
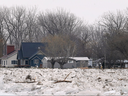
(84, 81)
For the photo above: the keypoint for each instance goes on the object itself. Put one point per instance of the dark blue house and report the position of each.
(31, 54)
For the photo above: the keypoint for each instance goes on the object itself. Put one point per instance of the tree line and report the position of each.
(66, 34)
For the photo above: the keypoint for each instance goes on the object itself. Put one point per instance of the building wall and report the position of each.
(36, 61)
(65, 66)
(8, 62)
(23, 61)
(49, 65)
(57, 65)
(82, 63)
(33, 63)
(3, 62)
(71, 64)
(126, 65)
(45, 63)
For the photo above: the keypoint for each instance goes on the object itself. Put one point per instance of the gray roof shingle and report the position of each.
(29, 48)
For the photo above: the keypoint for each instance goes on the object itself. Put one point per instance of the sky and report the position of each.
(88, 10)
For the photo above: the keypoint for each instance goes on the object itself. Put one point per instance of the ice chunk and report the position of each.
(88, 92)
(6, 94)
(48, 92)
(60, 93)
(113, 92)
(1, 82)
(70, 90)
(124, 90)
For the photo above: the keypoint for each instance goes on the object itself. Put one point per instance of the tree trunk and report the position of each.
(61, 66)
(53, 65)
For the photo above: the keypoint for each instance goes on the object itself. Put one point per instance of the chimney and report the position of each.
(10, 49)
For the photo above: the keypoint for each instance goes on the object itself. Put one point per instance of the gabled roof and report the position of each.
(28, 49)
(19, 54)
(9, 55)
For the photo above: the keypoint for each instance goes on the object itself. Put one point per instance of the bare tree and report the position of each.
(59, 47)
(59, 22)
(20, 25)
(83, 33)
(113, 23)
(2, 32)
(15, 25)
(33, 32)
(114, 26)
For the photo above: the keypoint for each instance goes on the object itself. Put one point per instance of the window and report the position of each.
(26, 62)
(36, 61)
(70, 61)
(14, 62)
(77, 61)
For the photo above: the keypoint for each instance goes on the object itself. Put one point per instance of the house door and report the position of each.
(40, 65)
(36, 62)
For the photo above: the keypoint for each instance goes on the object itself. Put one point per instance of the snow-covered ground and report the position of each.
(84, 82)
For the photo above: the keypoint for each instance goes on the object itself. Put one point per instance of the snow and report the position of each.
(6, 94)
(1, 81)
(84, 81)
(80, 58)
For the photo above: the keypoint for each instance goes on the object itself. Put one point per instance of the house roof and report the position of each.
(9, 55)
(29, 48)
(74, 58)
(79, 58)
(19, 54)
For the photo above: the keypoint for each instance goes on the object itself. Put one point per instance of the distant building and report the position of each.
(33, 55)
(73, 62)
(10, 59)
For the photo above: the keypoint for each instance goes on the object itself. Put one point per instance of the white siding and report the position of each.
(3, 62)
(67, 65)
(126, 65)
(8, 62)
(45, 63)
(70, 64)
(57, 65)
(23, 62)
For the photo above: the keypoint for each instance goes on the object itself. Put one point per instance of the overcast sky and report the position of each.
(88, 10)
